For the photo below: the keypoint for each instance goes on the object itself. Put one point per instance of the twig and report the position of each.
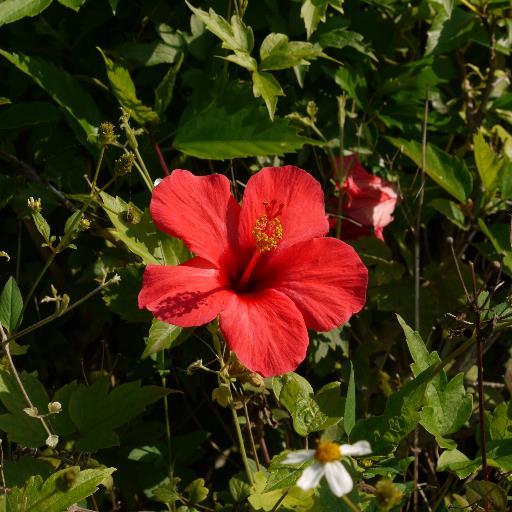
(158, 152)
(249, 433)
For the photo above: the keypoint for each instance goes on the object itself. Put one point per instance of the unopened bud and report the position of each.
(196, 365)
(388, 494)
(35, 204)
(84, 224)
(52, 440)
(54, 407)
(31, 411)
(106, 133)
(312, 110)
(124, 164)
(449, 239)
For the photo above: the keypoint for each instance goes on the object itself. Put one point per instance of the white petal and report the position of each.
(359, 448)
(157, 182)
(340, 482)
(298, 456)
(311, 477)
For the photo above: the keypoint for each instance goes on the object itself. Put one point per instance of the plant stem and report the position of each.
(249, 433)
(241, 442)
(158, 152)
(350, 504)
(341, 170)
(481, 411)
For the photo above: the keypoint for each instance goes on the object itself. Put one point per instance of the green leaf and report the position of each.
(124, 90)
(242, 59)
(277, 52)
(165, 89)
(349, 415)
(447, 404)
(72, 4)
(42, 226)
(488, 163)
(234, 126)
(20, 427)
(61, 490)
(310, 413)
(500, 424)
(196, 491)
(456, 461)
(235, 36)
(150, 54)
(449, 31)
(282, 476)
(446, 170)
(11, 305)
(28, 113)
(264, 85)
(96, 412)
(138, 232)
(482, 492)
(83, 114)
(341, 37)
(163, 336)
(14, 10)
(314, 11)
(451, 211)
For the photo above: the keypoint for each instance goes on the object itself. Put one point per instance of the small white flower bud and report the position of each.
(52, 440)
(54, 407)
(31, 411)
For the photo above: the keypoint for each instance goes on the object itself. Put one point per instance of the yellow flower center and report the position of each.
(268, 230)
(327, 452)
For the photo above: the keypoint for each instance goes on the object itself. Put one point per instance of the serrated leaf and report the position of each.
(124, 90)
(14, 10)
(448, 171)
(234, 126)
(264, 85)
(164, 336)
(83, 115)
(96, 411)
(11, 305)
(278, 52)
(313, 13)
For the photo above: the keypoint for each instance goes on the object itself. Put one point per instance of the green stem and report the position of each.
(241, 442)
(341, 179)
(350, 504)
(143, 167)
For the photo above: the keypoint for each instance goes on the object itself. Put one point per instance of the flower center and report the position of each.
(327, 452)
(268, 230)
(267, 233)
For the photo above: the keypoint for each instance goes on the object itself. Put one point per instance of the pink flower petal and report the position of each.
(266, 331)
(303, 216)
(201, 211)
(324, 277)
(190, 294)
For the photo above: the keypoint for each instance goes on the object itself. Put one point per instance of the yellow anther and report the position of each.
(327, 452)
(268, 230)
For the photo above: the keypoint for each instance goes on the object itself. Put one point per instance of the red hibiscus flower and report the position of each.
(369, 201)
(265, 268)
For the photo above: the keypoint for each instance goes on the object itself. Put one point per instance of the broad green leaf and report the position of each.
(96, 411)
(234, 126)
(456, 461)
(242, 59)
(137, 231)
(498, 235)
(72, 4)
(165, 89)
(196, 491)
(28, 113)
(163, 336)
(61, 490)
(11, 305)
(310, 413)
(294, 498)
(42, 226)
(17, 473)
(500, 423)
(19, 426)
(235, 36)
(488, 164)
(150, 54)
(449, 31)
(340, 38)
(451, 211)
(124, 90)
(277, 52)
(282, 476)
(447, 404)
(264, 85)
(314, 11)
(349, 415)
(481, 492)
(83, 114)
(446, 170)
(14, 10)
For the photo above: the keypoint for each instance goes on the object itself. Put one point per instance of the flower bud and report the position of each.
(84, 224)
(106, 133)
(388, 495)
(35, 204)
(52, 440)
(123, 165)
(312, 110)
(31, 411)
(54, 407)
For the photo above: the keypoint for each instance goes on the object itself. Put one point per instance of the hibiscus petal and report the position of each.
(201, 211)
(338, 478)
(298, 456)
(303, 216)
(190, 294)
(266, 331)
(311, 477)
(324, 277)
(359, 448)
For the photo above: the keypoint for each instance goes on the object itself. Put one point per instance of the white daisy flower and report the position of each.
(327, 457)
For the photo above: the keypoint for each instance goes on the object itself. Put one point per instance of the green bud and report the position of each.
(106, 133)
(388, 494)
(84, 224)
(123, 165)
(312, 110)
